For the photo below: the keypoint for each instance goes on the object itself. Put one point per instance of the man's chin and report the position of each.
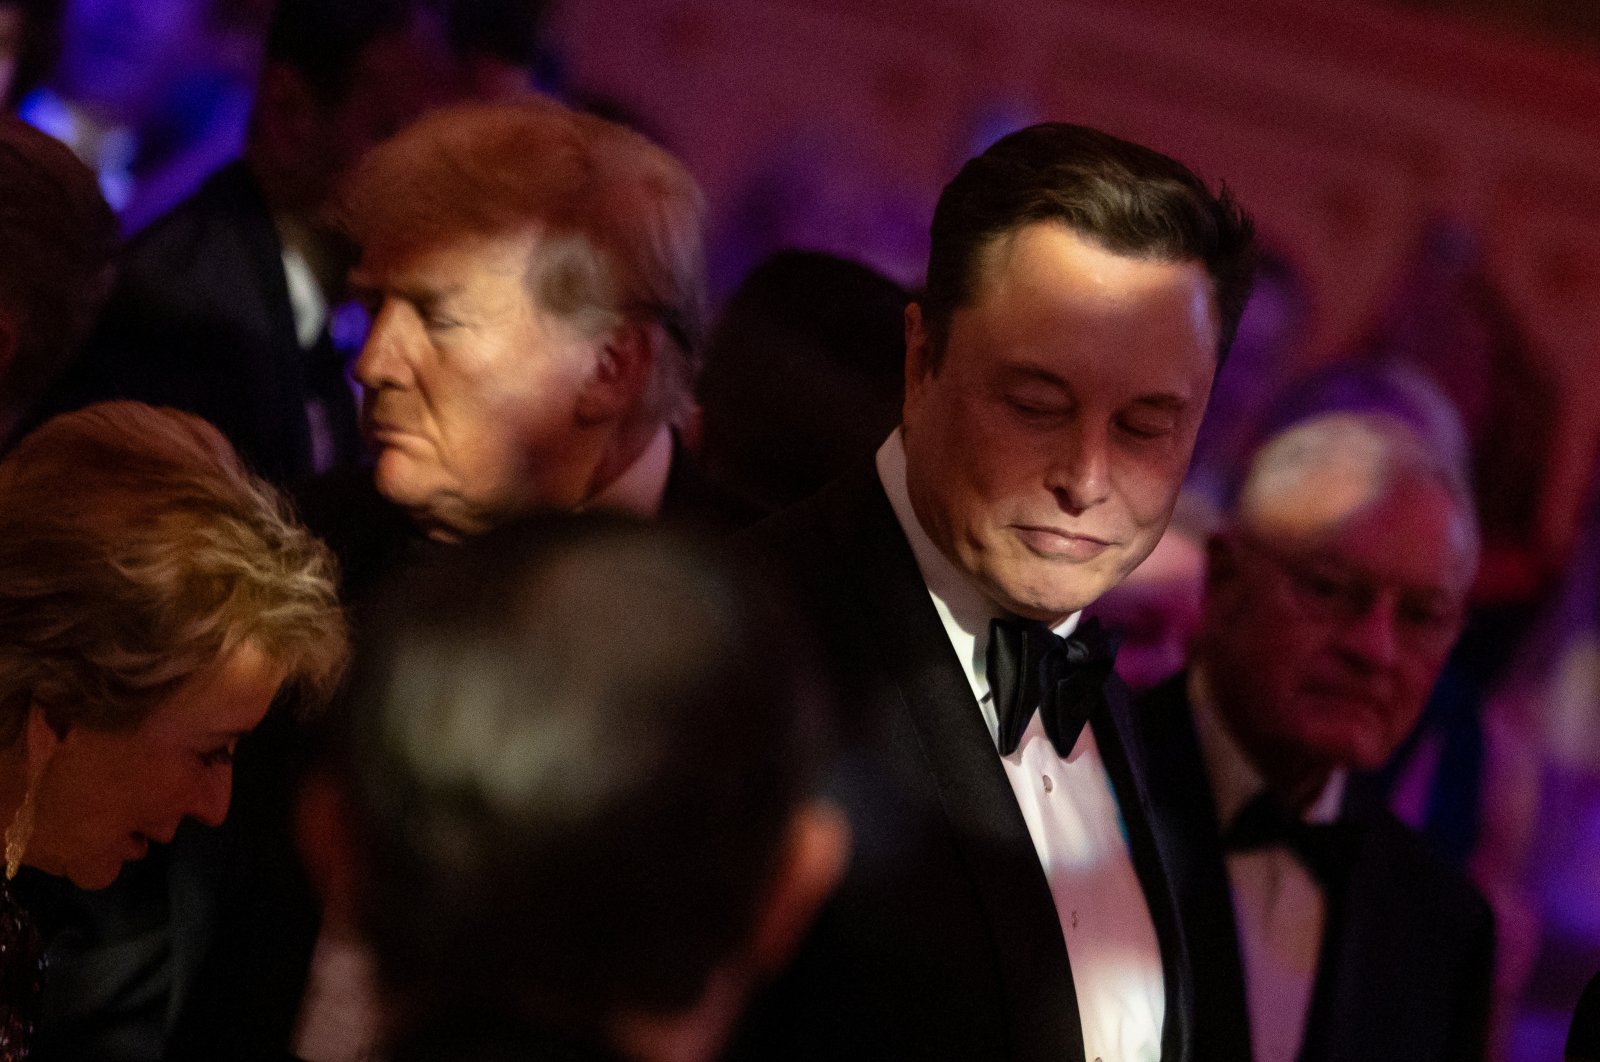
(1049, 601)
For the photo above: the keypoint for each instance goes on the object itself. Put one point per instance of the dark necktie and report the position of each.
(1325, 849)
(1030, 666)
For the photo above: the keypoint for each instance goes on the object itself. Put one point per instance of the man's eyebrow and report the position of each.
(1162, 400)
(1025, 373)
(417, 293)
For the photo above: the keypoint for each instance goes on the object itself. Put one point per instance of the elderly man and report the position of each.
(56, 238)
(1007, 901)
(1327, 929)
(535, 281)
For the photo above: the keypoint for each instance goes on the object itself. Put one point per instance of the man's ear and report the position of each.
(814, 859)
(621, 374)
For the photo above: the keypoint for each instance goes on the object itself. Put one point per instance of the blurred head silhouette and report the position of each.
(580, 768)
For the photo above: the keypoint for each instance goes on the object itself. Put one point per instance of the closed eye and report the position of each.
(217, 757)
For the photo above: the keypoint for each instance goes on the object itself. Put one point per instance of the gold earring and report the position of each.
(20, 832)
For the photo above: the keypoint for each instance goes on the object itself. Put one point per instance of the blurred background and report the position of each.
(1425, 173)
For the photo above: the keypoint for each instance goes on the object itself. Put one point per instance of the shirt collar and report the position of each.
(642, 486)
(1235, 781)
(964, 609)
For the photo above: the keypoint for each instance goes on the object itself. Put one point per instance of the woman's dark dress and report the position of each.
(21, 976)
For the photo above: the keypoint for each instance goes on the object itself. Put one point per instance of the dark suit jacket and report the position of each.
(943, 941)
(1583, 1038)
(1406, 975)
(200, 319)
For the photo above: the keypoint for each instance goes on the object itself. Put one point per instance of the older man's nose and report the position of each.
(1371, 637)
(382, 361)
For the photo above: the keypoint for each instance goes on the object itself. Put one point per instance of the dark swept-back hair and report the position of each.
(1128, 199)
(575, 748)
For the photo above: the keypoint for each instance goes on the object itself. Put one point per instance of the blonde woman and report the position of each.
(155, 598)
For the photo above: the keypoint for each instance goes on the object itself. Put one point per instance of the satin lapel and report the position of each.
(1120, 751)
(975, 796)
(1339, 1020)
(1183, 822)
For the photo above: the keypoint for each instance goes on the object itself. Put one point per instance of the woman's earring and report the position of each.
(20, 832)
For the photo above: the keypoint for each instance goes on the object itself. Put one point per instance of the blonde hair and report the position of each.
(1327, 468)
(137, 552)
(619, 220)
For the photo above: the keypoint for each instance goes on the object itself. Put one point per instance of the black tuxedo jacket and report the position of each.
(200, 319)
(1406, 974)
(943, 941)
(1583, 1038)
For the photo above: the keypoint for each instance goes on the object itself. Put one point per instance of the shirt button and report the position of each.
(1048, 784)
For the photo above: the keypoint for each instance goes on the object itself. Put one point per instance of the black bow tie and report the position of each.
(1325, 849)
(1030, 666)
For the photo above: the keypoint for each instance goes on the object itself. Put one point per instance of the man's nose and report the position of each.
(209, 801)
(1370, 636)
(1080, 469)
(382, 361)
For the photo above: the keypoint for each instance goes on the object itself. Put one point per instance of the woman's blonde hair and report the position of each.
(137, 552)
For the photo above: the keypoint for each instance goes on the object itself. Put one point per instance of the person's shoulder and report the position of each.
(827, 521)
(1583, 1039)
(368, 534)
(694, 499)
(226, 208)
(1430, 881)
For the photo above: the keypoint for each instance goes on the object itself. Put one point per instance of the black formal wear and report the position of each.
(1406, 966)
(1583, 1039)
(200, 319)
(21, 976)
(944, 940)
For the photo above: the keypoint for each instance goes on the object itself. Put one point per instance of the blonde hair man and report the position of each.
(535, 280)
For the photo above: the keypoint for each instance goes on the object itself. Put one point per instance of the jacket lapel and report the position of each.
(979, 807)
(1185, 832)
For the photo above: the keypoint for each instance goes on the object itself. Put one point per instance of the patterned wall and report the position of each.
(1344, 126)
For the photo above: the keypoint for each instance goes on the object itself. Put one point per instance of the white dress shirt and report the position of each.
(1072, 815)
(309, 307)
(1277, 904)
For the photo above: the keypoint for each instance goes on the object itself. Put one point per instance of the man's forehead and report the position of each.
(443, 259)
(1414, 530)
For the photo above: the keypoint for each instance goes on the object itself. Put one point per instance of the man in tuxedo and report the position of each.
(1007, 900)
(223, 306)
(1328, 929)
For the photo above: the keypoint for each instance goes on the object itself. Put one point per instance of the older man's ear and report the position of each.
(616, 386)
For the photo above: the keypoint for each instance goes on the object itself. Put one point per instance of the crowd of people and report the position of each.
(426, 635)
